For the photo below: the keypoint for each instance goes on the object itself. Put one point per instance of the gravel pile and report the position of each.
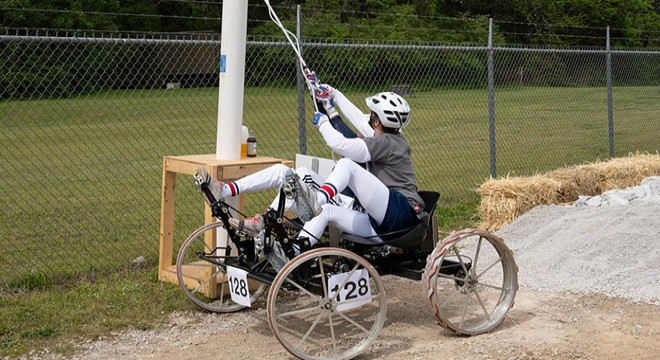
(601, 244)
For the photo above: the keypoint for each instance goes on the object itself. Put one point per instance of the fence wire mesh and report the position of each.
(87, 120)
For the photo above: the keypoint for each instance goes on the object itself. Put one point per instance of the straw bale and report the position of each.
(621, 173)
(576, 181)
(503, 200)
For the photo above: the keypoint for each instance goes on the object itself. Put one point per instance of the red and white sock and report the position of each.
(325, 193)
(230, 189)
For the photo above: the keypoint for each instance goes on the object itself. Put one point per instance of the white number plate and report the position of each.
(238, 286)
(354, 292)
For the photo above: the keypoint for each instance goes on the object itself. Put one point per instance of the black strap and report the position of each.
(423, 216)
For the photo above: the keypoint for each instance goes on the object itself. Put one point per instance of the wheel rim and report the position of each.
(471, 282)
(196, 277)
(309, 322)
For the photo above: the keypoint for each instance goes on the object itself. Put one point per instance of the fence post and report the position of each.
(491, 101)
(302, 135)
(610, 113)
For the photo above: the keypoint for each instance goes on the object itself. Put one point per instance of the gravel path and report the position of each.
(603, 244)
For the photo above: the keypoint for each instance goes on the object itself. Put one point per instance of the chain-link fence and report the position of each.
(86, 121)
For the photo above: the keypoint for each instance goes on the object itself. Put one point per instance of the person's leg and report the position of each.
(271, 177)
(275, 177)
(371, 192)
(346, 220)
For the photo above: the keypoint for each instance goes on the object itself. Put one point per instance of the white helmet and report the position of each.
(392, 110)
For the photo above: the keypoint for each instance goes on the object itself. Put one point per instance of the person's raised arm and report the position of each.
(354, 149)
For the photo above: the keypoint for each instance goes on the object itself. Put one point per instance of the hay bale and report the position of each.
(575, 181)
(620, 173)
(503, 200)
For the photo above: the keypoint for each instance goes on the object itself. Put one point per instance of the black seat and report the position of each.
(411, 238)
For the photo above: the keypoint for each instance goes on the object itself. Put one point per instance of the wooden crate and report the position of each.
(225, 170)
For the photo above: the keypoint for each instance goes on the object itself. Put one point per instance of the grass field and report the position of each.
(80, 180)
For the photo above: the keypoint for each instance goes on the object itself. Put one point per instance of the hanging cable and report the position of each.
(295, 44)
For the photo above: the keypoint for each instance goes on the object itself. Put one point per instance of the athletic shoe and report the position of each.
(252, 226)
(203, 177)
(304, 196)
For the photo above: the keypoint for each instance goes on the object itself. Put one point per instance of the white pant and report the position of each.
(369, 190)
(274, 176)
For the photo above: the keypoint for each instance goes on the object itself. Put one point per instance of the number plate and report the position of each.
(238, 286)
(355, 291)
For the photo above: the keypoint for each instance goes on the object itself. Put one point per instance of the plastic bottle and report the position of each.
(244, 137)
(251, 145)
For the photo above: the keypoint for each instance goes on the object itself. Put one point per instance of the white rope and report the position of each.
(295, 44)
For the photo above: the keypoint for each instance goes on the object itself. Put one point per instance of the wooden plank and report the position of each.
(167, 219)
(237, 172)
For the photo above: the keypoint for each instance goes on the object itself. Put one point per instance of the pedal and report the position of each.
(201, 177)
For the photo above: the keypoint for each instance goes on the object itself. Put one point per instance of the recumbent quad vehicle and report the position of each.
(329, 302)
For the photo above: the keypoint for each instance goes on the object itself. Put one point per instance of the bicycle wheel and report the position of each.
(327, 303)
(202, 281)
(470, 281)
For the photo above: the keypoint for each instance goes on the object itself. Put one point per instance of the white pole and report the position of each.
(232, 79)
(230, 96)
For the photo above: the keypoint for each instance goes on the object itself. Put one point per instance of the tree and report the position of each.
(60, 14)
(566, 21)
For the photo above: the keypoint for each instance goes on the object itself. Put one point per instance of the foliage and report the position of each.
(61, 14)
(413, 22)
(568, 22)
(35, 69)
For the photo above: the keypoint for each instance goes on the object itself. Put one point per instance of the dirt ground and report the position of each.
(541, 325)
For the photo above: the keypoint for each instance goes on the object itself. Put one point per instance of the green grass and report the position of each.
(80, 180)
(51, 317)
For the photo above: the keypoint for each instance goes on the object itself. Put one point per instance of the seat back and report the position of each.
(416, 235)
(430, 199)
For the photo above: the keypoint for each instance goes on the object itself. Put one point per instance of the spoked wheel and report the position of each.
(204, 282)
(327, 303)
(470, 281)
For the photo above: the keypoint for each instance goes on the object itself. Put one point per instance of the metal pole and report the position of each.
(302, 135)
(610, 112)
(491, 101)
